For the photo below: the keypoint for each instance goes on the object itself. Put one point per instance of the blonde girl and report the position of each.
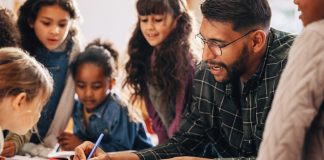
(48, 31)
(25, 86)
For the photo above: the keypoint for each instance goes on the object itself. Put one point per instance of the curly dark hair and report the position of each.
(100, 53)
(9, 33)
(28, 13)
(173, 64)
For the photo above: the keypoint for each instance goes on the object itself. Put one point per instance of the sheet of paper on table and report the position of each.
(58, 154)
(39, 152)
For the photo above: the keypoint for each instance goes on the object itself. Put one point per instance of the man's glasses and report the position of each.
(215, 47)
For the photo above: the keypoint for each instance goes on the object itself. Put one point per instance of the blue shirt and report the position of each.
(110, 118)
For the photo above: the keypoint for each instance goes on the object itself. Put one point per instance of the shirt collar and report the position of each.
(252, 82)
(100, 109)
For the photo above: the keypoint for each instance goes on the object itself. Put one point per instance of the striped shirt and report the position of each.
(222, 121)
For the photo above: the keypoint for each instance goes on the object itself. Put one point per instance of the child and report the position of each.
(9, 34)
(48, 33)
(160, 68)
(25, 86)
(294, 129)
(9, 37)
(98, 110)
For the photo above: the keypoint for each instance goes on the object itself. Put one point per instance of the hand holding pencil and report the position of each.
(90, 149)
(96, 153)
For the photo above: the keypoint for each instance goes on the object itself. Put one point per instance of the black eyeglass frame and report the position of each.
(216, 48)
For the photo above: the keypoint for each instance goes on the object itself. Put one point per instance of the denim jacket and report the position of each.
(110, 118)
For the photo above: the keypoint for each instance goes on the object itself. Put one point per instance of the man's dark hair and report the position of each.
(243, 14)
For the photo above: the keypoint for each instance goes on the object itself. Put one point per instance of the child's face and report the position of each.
(51, 26)
(91, 85)
(22, 118)
(311, 10)
(156, 28)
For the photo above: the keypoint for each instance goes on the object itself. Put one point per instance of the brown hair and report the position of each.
(19, 72)
(28, 12)
(173, 63)
(9, 33)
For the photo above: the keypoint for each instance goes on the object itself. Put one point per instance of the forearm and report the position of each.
(168, 150)
(19, 140)
(240, 158)
(122, 156)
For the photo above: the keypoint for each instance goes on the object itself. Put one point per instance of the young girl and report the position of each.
(160, 68)
(25, 86)
(48, 32)
(98, 110)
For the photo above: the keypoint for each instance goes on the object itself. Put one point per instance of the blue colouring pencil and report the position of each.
(95, 146)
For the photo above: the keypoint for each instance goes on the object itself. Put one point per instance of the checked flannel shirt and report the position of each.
(223, 121)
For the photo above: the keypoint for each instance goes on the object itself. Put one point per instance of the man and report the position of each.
(233, 87)
(294, 129)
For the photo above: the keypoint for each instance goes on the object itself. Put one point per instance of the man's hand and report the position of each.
(9, 149)
(68, 141)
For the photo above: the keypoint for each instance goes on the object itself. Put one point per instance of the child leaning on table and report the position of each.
(48, 31)
(97, 109)
(25, 87)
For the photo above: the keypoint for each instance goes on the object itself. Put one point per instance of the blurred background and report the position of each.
(114, 20)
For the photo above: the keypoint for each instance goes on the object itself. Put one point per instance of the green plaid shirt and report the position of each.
(223, 121)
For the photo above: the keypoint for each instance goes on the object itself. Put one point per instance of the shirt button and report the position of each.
(246, 99)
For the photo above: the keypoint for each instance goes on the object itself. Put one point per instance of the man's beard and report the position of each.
(238, 68)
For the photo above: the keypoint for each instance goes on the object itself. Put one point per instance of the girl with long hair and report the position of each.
(161, 65)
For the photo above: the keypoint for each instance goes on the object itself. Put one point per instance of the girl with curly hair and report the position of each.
(9, 34)
(161, 65)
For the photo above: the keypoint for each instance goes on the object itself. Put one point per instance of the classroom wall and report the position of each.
(114, 20)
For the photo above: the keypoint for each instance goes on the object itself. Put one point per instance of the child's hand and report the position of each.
(68, 141)
(9, 149)
(85, 148)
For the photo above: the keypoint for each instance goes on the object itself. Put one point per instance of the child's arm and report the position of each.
(17, 140)
(68, 141)
(9, 149)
